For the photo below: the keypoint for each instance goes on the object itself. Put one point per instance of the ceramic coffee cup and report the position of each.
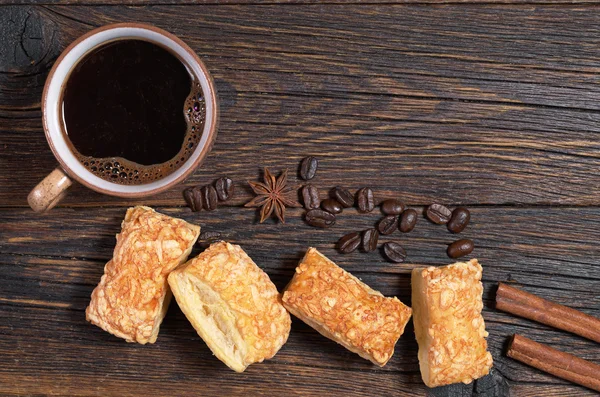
(54, 187)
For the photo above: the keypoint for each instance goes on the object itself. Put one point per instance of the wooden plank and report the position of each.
(381, 44)
(174, 367)
(62, 330)
(53, 277)
(502, 114)
(49, 272)
(289, 2)
(536, 390)
(52, 325)
(541, 247)
(81, 353)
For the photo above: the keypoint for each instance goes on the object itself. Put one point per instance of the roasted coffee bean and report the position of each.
(438, 213)
(388, 224)
(208, 238)
(392, 207)
(394, 252)
(320, 218)
(369, 240)
(408, 220)
(366, 200)
(349, 243)
(188, 196)
(209, 197)
(224, 188)
(308, 168)
(193, 198)
(460, 248)
(344, 197)
(460, 219)
(310, 196)
(332, 205)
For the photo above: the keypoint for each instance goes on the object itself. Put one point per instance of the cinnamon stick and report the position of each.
(555, 362)
(524, 304)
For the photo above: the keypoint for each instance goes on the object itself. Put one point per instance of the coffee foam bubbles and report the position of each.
(125, 172)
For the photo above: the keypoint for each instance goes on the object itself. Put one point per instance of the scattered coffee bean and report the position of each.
(308, 168)
(224, 188)
(460, 248)
(208, 238)
(366, 200)
(388, 224)
(331, 205)
(310, 196)
(320, 218)
(408, 220)
(392, 207)
(438, 214)
(394, 252)
(460, 219)
(344, 197)
(349, 243)
(369, 240)
(188, 196)
(193, 198)
(209, 198)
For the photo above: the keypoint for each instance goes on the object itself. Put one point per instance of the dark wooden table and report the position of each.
(492, 106)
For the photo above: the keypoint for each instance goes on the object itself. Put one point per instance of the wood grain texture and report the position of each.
(288, 2)
(489, 105)
(54, 269)
(509, 109)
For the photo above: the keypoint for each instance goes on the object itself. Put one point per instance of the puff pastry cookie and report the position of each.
(448, 323)
(344, 309)
(133, 295)
(232, 304)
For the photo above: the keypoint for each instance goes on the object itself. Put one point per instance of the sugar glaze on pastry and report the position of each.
(449, 327)
(133, 296)
(344, 309)
(232, 304)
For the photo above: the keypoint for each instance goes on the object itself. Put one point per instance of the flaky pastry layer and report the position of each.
(132, 297)
(449, 327)
(344, 309)
(232, 304)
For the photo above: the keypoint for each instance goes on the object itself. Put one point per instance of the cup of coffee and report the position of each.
(129, 110)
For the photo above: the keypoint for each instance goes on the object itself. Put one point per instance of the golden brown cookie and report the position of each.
(133, 295)
(448, 323)
(232, 304)
(344, 309)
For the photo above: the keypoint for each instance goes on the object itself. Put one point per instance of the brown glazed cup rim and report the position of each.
(209, 95)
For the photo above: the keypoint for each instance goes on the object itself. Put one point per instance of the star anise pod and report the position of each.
(273, 196)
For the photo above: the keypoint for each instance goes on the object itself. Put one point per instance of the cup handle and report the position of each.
(49, 191)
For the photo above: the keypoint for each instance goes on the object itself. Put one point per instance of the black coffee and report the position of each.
(132, 112)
